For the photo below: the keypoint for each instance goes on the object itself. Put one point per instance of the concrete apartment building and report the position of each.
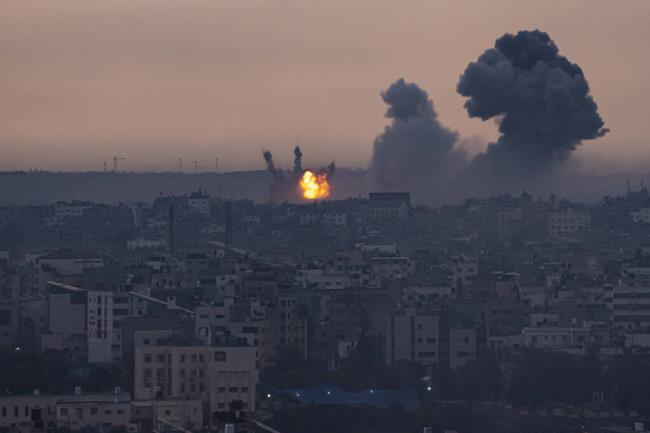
(85, 323)
(566, 222)
(178, 368)
(181, 412)
(101, 411)
(40, 413)
(387, 206)
(27, 413)
(630, 303)
(428, 338)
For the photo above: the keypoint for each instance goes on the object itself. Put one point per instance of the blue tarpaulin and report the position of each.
(330, 394)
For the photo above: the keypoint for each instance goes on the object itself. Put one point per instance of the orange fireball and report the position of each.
(314, 185)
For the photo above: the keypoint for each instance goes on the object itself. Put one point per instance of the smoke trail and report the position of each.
(297, 162)
(270, 165)
(540, 98)
(415, 149)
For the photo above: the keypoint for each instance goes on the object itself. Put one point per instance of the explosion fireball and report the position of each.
(314, 186)
(298, 184)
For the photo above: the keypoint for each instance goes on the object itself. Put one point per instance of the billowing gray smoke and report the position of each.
(541, 99)
(415, 149)
(542, 104)
(285, 183)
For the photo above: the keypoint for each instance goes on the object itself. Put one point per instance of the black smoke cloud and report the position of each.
(414, 148)
(540, 99)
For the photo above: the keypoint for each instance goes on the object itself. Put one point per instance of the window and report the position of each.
(220, 389)
(108, 412)
(63, 411)
(220, 356)
(94, 411)
(147, 357)
(232, 389)
(168, 412)
(182, 357)
(193, 357)
(244, 389)
(4, 411)
(160, 357)
(26, 410)
(120, 411)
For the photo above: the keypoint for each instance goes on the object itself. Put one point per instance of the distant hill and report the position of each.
(21, 188)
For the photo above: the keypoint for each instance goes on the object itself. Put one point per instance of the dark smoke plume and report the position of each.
(268, 158)
(297, 162)
(540, 99)
(415, 149)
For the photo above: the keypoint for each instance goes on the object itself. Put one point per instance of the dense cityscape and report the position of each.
(254, 216)
(198, 312)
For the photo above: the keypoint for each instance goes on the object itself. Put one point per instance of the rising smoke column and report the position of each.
(540, 99)
(297, 161)
(415, 149)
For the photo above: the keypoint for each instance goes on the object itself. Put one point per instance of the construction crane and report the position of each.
(196, 165)
(115, 160)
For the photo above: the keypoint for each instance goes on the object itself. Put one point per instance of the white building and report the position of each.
(426, 337)
(392, 267)
(413, 337)
(73, 209)
(641, 216)
(463, 270)
(101, 411)
(200, 202)
(417, 295)
(184, 413)
(142, 243)
(26, 413)
(321, 280)
(505, 220)
(556, 337)
(216, 375)
(630, 301)
(387, 207)
(566, 222)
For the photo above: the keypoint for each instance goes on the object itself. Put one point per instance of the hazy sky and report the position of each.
(155, 80)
